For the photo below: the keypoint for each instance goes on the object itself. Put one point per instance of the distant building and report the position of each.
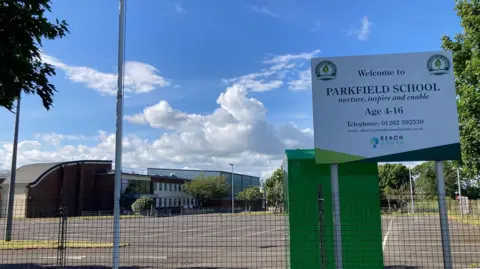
(240, 181)
(41, 188)
(170, 192)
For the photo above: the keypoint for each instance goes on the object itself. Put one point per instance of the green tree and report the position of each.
(250, 195)
(207, 188)
(425, 183)
(392, 177)
(466, 60)
(23, 25)
(274, 190)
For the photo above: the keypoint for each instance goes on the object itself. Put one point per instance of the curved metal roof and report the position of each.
(31, 173)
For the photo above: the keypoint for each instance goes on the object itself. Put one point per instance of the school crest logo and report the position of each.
(326, 70)
(438, 65)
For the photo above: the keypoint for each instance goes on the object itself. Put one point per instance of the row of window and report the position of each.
(171, 187)
(167, 202)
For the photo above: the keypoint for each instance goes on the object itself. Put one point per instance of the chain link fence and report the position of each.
(216, 238)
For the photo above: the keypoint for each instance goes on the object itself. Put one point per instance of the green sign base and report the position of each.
(440, 153)
(308, 204)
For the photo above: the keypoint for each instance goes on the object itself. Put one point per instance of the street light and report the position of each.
(412, 203)
(11, 186)
(233, 203)
(459, 191)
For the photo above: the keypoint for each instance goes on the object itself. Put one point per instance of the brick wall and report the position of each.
(79, 183)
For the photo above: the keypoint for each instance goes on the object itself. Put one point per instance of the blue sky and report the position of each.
(210, 82)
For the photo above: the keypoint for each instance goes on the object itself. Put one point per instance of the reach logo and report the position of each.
(326, 70)
(386, 140)
(438, 65)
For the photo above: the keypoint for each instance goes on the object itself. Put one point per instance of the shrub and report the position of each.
(142, 204)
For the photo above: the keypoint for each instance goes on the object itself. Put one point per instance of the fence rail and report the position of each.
(215, 238)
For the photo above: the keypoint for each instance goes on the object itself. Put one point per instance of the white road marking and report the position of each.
(220, 232)
(68, 257)
(148, 257)
(384, 243)
(192, 230)
(154, 235)
(414, 243)
(257, 233)
(415, 252)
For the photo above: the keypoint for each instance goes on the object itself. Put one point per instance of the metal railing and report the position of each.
(215, 238)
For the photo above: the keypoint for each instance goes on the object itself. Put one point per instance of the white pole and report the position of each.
(411, 188)
(442, 205)
(337, 228)
(459, 191)
(233, 201)
(11, 186)
(118, 140)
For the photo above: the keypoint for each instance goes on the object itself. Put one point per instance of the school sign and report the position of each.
(382, 108)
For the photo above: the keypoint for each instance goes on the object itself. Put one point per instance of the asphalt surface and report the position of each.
(213, 241)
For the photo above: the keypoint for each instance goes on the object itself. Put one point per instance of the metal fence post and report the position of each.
(442, 205)
(337, 227)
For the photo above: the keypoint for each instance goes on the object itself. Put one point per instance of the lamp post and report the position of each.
(459, 191)
(118, 137)
(11, 186)
(412, 203)
(233, 202)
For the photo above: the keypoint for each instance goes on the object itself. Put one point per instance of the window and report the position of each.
(159, 202)
(174, 187)
(160, 186)
(169, 187)
(169, 202)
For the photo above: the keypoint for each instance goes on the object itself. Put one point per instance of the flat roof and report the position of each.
(201, 170)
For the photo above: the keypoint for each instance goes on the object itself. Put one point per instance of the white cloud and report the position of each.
(363, 32)
(304, 81)
(275, 75)
(179, 8)
(55, 138)
(265, 11)
(237, 131)
(281, 59)
(139, 77)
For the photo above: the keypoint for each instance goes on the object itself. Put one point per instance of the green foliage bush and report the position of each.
(141, 204)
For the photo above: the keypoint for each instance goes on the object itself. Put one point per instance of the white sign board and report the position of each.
(379, 108)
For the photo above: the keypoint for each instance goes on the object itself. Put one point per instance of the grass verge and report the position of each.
(254, 213)
(401, 214)
(79, 218)
(472, 220)
(52, 244)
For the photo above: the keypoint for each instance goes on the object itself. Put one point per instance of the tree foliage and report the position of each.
(250, 195)
(466, 60)
(274, 189)
(206, 188)
(392, 177)
(426, 184)
(23, 25)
